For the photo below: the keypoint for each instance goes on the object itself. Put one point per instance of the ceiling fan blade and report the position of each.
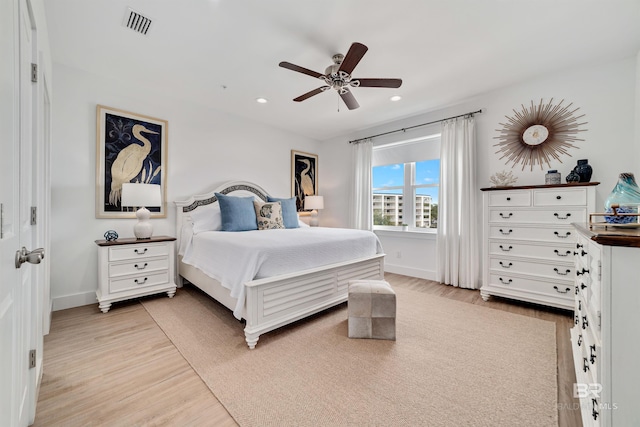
(300, 69)
(311, 93)
(351, 59)
(350, 100)
(393, 83)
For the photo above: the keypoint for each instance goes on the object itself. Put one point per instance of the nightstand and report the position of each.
(130, 268)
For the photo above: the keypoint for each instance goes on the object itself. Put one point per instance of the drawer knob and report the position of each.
(141, 268)
(508, 199)
(580, 273)
(581, 253)
(579, 340)
(506, 265)
(592, 354)
(578, 246)
(141, 282)
(557, 215)
(506, 216)
(594, 413)
(506, 233)
(141, 252)
(583, 286)
(567, 234)
(506, 250)
(557, 252)
(505, 283)
(558, 197)
(585, 322)
(561, 292)
(560, 273)
(585, 364)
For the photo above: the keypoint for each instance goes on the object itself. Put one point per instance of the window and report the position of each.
(406, 193)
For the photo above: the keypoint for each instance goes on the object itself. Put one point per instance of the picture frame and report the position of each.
(304, 177)
(130, 147)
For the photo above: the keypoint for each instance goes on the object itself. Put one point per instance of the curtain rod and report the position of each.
(415, 126)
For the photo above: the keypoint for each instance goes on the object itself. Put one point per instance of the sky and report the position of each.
(427, 172)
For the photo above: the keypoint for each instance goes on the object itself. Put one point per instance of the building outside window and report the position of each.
(406, 193)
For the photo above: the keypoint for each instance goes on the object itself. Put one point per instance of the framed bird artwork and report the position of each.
(131, 148)
(304, 177)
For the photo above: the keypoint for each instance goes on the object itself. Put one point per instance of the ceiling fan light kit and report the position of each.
(338, 76)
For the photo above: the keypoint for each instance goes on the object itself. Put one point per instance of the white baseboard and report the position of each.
(75, 300)
(410, 271)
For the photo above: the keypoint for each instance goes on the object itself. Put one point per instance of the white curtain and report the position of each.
(361, 195)
(457, 242)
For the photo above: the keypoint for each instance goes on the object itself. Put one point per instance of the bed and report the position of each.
(268, 295)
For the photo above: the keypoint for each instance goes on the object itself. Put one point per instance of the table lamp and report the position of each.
(141, 196)
(314, 203)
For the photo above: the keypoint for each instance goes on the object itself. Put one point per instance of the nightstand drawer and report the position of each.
(505, 198)
(142, 266)
(138, 281)
(138, 251)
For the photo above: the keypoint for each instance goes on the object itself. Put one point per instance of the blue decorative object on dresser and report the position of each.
(625, 197)
(110, 235)
(584, 170)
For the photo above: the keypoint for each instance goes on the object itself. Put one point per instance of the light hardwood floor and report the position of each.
(119, 369)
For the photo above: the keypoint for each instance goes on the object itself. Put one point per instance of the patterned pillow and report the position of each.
(268, 215)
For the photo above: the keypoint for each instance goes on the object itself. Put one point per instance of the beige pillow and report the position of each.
(268, 215)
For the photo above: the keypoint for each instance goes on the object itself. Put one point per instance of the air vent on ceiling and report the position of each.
(136, 21)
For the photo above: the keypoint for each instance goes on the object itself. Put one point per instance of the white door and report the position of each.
(18, 282)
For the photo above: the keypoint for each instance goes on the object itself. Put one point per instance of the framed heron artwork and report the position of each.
(304, 177)
(131, 148)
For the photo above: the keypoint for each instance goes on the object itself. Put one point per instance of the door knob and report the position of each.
(32, 257)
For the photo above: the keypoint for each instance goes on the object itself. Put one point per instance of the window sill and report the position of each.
(411, 234)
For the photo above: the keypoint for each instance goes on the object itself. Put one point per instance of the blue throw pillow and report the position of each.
(237, 213)
(289, 212)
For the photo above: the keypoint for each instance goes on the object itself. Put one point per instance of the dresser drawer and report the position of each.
(508, 281)
(564, 216)
(555, 252)
(561, 272)
(510, 198)
(139, 251)
(546, 234)
(127, 283)
(138, 267)
(573, 197)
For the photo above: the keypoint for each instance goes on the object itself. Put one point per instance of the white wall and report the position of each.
(205, 148)
(606, 93)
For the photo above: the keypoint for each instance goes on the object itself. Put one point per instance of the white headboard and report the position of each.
(235, 188)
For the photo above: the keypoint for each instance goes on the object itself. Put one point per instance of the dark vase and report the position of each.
(584, 170)
(572, 177)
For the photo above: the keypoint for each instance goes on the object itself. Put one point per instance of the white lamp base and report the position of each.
(143, 229)
(313, 222)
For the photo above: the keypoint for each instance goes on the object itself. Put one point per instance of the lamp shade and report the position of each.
(141, 195)
(314, 202)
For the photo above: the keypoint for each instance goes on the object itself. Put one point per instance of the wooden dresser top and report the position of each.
(607, 234)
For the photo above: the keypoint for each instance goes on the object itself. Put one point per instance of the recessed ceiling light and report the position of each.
(261, 100)
(395, 98)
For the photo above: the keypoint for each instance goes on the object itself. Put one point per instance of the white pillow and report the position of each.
(302, 224)
(206, 218)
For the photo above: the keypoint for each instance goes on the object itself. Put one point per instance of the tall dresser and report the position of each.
(529, 241)
(606, 334)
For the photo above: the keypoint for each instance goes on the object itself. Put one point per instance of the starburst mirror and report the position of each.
(539, 134)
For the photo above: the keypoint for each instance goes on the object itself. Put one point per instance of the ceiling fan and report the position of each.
(338, 76)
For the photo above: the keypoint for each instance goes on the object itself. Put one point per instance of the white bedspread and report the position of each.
(234, 258)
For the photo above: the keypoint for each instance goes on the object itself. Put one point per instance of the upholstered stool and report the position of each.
(372, 310)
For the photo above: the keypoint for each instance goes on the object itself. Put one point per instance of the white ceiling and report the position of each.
(225, 53)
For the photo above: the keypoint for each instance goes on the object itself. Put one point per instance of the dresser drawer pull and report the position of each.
(576, 319)
(139, 282)
(506, 216)
(562, 217)
(506, 250)
(583, 286)
(508, 199)
(585, 322)
(577, 290)
(561, 292)
(558, 197)
(506, 265)
(508, 282)
(557, 252)
(578, 246)
(581, 253)
(141, 268)
(594, 413)
(592, 354)
(579, 305)
(580, 273)
(567, 234)
(585, 364)
(141, 252)
(506, 233)
(580, 340)
(561, 274)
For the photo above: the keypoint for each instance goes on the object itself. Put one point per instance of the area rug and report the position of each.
(453, 364)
